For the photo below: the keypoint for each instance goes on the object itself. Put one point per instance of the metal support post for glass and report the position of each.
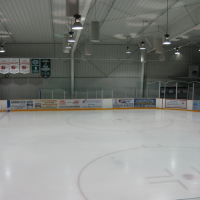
(147, 91)
(87, 94)
(112, 93)
(188, 92)
(159, 89)
(136, 92)
(96, 94)
(52, 94)
(125, 93)
(176, 89)
(164, 90)
(76, 94)
(193, 92)
(102, 94)
(64, 94)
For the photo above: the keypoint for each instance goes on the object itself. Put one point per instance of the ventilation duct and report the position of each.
(158, 45)
(94, 31)
(72, 7)
(88, 47)
(162, 56)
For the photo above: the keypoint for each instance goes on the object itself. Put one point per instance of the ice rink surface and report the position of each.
(100, 155)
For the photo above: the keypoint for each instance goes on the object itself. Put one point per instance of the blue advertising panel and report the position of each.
(144, 103)
(196, 105)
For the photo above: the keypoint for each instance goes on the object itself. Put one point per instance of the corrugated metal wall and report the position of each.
(174, 65)
(108, 61)
(59, 67)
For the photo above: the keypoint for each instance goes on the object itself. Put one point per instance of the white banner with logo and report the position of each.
(91, 103)
(69, 103)
(24, 65)
(14, 65)
(182, 104)
(21, 104)
(122, 103)
(4, 65)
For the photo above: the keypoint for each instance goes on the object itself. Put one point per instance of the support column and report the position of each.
(72, 75)
(142, 81)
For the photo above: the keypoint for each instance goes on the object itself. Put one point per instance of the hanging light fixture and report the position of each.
(177, 51)
(1, 48)
(143, 43)
(77, 24)
(68, 46)
(167, 41)
(94, 29)
(71, 37)
(128, 50)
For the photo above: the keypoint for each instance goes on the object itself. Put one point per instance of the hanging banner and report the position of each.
(144, 103)
(91, 103)
(182, 104)
(35, 63)
(196, 105)
(123, 103)
(14, 65)
(69, 103)
(24, 65)
(45, 68)
(4, 65)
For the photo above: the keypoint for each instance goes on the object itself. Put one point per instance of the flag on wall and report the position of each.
(14, 65)
(45, 68)
(4, 65)
(24, 65)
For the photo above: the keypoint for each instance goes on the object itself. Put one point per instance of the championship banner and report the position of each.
(35, 63)
(45, 68)
(123, 103)
(182, 104)
(70, 103)
(196, 105)
(144, 103)
(91, 103)
(4, 65)
(21, 104)
(14, 65)
(49, 104)
(24, 65)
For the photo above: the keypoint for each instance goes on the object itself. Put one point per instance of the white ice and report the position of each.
(100, 155)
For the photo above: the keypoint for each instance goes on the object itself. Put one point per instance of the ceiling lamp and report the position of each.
(167, 42)
(177, 51)
(71, 37)
(77, 25)
(2, 49)
(68, 46)
(142, 45)
(128, 50)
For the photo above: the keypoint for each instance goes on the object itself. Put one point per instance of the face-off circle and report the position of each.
(165, 173)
